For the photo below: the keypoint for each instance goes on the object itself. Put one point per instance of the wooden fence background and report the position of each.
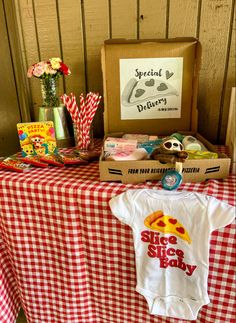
(75, 30)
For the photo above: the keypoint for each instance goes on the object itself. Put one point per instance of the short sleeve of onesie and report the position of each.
(219, 213)
(121, 207)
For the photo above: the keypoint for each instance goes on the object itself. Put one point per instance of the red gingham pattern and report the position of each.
(65, 258)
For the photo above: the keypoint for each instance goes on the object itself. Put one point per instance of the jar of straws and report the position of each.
(82, 117)
(86, 146)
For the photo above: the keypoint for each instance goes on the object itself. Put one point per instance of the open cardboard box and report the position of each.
(166, 73)
(194, 170)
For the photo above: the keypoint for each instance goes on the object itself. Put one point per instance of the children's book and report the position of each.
(52, 159)
(37, 138)
(14, 164)
(34, 160)
(72, 159)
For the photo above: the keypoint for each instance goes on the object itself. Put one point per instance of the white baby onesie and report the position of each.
(171, 232)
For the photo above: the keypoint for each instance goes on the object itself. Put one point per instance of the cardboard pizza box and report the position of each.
(150, 87)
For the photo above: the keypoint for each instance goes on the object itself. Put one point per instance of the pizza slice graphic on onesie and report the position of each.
(158, 221)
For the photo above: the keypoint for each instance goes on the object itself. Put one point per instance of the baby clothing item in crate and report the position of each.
(137, 154)
(197, 154)
(150, 145)
(171, 235)
(141, 138)
(119, 144)
(191, 143)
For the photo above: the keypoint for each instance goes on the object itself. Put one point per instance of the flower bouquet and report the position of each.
(49, 72)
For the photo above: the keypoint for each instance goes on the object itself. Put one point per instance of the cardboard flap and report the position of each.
(151, 40)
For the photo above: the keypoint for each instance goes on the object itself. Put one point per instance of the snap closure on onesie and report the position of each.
(174, 306)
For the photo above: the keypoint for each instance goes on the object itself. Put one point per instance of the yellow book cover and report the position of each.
(37, 138)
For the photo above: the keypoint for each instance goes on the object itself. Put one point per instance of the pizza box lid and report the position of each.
(166, 64)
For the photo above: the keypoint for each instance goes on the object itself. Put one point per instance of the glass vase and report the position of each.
(80, 143)
(49, 90)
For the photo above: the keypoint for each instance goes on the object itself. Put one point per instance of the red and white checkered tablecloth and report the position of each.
(65, 258)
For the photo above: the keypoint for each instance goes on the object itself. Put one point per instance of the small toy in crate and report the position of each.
(171, 151)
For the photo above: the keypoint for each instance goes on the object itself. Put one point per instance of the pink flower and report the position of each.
(30, 71)
(39, 69)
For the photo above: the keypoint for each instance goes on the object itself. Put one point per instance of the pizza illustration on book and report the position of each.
(145, 89)
(167, 224)
(37, 138)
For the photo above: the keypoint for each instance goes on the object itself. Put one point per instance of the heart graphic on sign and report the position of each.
(139, 92)
(169, 74)
(162, 87)
(150, 83)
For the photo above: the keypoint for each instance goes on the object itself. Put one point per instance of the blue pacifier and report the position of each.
(172, 178)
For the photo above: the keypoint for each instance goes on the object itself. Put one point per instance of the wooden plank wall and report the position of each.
(9, 104)
(75, 31)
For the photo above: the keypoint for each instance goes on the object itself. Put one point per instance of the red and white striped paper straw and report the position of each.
(82, 117)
